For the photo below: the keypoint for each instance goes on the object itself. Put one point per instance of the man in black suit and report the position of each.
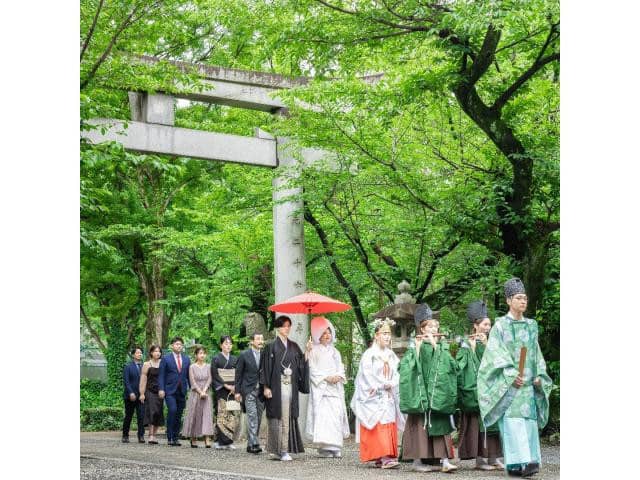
(248, 391)
(132, 396)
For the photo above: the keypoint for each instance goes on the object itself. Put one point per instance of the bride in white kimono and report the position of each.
(327, 422)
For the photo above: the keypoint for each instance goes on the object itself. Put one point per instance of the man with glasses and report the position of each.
(173, 385)
(248, 390)
(518, 400)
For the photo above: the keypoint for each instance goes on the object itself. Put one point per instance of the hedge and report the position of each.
(101, 418)
(101, 407)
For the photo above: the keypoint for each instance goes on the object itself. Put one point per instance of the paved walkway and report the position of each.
(103, 456)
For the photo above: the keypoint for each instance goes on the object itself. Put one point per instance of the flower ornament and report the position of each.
(380, 324)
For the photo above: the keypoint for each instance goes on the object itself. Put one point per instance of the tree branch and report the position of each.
(486, 55)
(196, 262)
(552, 36)
(336, 8)
(131, 19)
(92, 330)
(520, 40)
(314, 259)
(451, 291)
(376, 36)
(390, 165)
(388, 259)
(421, 253)
(353, 297)
(167, 201)
(91, 30)
(432, 269)
(531, 71)
(357, 244)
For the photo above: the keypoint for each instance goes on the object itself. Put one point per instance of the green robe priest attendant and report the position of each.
(518, 403)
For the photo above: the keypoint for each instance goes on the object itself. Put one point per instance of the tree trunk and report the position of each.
(514, 214)
(160, 319)
(116, 354)
(153, 285)
(534, 273)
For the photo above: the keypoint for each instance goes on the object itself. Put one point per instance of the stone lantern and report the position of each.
(402, 312)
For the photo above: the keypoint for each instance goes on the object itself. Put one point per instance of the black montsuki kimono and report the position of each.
(225, 421)
(273, 360)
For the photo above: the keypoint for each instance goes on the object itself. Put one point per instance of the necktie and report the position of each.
(179, 358)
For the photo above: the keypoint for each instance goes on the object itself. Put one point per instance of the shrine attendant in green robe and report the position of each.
(519, 404)
(428, 394)
(475, 441)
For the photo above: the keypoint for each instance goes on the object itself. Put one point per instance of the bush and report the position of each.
(101, 418)
(94, 393)
(553, 426)
(101, 407)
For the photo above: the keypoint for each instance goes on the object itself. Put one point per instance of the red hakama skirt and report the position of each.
(381, 441)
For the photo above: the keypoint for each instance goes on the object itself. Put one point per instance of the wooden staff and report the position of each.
(523, 358)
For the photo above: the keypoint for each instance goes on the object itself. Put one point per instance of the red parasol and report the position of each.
(310, 302)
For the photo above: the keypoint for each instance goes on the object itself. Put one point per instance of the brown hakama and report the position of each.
(471, 441)
(417, 444)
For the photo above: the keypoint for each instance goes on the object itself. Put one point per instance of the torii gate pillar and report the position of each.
(288, 246)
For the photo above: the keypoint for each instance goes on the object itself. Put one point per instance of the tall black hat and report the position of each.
(423, 312)
(476, 310)
(513, 286)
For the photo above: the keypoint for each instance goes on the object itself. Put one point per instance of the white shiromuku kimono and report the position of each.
(371, 403)
(327, 423)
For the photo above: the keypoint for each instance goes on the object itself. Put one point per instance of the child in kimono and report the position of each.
(375, 401)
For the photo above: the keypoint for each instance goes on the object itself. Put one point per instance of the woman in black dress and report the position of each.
(153, 412)
(222, 371)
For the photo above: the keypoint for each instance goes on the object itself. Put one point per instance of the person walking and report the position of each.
(153, 411)
(131, 396)
(198, 421)
(173, 384)
(247, 388)
(223, 374)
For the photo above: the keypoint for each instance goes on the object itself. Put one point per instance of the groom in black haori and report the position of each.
(284, 372)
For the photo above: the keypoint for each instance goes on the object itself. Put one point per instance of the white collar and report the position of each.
(384, 354)
(508, 315)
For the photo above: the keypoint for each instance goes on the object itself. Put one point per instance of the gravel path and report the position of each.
(104, 457)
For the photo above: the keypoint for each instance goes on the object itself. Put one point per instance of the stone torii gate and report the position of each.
(152, 130)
